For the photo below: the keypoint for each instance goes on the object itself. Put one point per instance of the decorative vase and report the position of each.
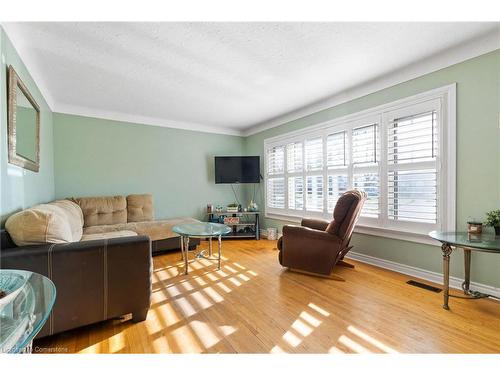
(497, 231)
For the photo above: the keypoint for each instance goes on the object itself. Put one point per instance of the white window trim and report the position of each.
(446, 163)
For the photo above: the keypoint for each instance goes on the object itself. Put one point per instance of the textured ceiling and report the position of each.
(223, 77)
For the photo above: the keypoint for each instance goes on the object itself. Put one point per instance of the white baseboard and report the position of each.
(420, 273)
(263, 233)
(435, 277)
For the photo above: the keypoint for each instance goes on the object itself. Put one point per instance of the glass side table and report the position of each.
(484, 242)
(26, 305)
(201, 230)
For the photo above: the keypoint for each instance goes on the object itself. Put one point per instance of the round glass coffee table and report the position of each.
(201, 230)
(26, 301)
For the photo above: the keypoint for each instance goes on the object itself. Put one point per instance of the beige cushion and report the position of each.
(103, 210)
(55, 222)
(156, 230)
(108, 235)
(139, 207)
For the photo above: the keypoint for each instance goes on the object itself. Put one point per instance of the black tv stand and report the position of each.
(245, 228)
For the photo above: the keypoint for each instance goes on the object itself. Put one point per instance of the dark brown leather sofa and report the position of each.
(318, 245)
(95, 280)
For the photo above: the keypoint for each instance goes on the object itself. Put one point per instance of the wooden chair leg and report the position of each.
(331, 276)
(344, 264)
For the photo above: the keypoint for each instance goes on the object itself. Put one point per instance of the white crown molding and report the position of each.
(451, 56)
(142, 120)
(473, 48)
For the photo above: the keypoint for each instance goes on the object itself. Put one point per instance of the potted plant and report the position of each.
(493, 220)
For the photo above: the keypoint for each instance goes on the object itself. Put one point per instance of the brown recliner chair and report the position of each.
(318, 245)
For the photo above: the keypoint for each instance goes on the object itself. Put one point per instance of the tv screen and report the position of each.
(237, 169)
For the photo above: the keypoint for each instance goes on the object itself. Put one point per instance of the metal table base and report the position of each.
(202, 253)
(447, 250)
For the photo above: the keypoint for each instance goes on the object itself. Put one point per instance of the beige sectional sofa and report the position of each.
(93, 218)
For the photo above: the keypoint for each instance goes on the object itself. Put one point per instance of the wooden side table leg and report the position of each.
(446, 248)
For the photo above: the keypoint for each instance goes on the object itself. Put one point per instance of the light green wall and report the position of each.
(478, 159)
(21, 188)
(102, 157)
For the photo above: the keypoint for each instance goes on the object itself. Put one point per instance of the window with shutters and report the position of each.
(401, 154)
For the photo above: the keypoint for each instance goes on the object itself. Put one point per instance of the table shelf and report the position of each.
(235, 234)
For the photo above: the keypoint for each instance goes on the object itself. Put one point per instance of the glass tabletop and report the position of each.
(26, 302)
(483, 241)
(201, 229)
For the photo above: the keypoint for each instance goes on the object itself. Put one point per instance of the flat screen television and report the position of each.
(237, 169)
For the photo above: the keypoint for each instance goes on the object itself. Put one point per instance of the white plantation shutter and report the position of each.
(276, 192)
(314, 154)
(412, 144)
(314, 195)
(413, 196)
(276, 160)
(365, 145)
(296, 193)
(369, 183)
(335, 150)
(401, 154)
(294, 157)
(412, 139)
(337, 185)
(365, 150)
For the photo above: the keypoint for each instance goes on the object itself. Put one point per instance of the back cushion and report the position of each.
(139, 207)
(342, 214)
(103, 210)
(55, 222)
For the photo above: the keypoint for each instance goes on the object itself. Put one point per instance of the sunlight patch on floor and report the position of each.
(318, 309)
(301, 327)
(180, 300)
(224, 287)
(205, 334)
(185, 306)
(371, 340)
(116, 343)
(201, 300)
(354, 346)
(185, 340)
(213, 294)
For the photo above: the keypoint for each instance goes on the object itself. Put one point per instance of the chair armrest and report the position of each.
(314, 223)
(300, 232)
(309, 249)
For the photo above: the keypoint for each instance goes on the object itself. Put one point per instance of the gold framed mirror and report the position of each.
(24, 125)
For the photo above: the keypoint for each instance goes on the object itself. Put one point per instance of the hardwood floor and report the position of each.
(253, 305)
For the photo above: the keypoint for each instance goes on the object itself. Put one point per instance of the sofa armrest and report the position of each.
(95, 280)
(315, 223)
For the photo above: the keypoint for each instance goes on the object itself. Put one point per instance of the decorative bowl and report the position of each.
(11, 283)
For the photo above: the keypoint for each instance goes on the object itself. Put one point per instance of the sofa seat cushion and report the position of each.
(139, 207)
(108, 235)
(156, 230)
(103, 210)
(55, 222)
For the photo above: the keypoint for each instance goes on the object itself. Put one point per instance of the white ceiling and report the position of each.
(220, 77)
